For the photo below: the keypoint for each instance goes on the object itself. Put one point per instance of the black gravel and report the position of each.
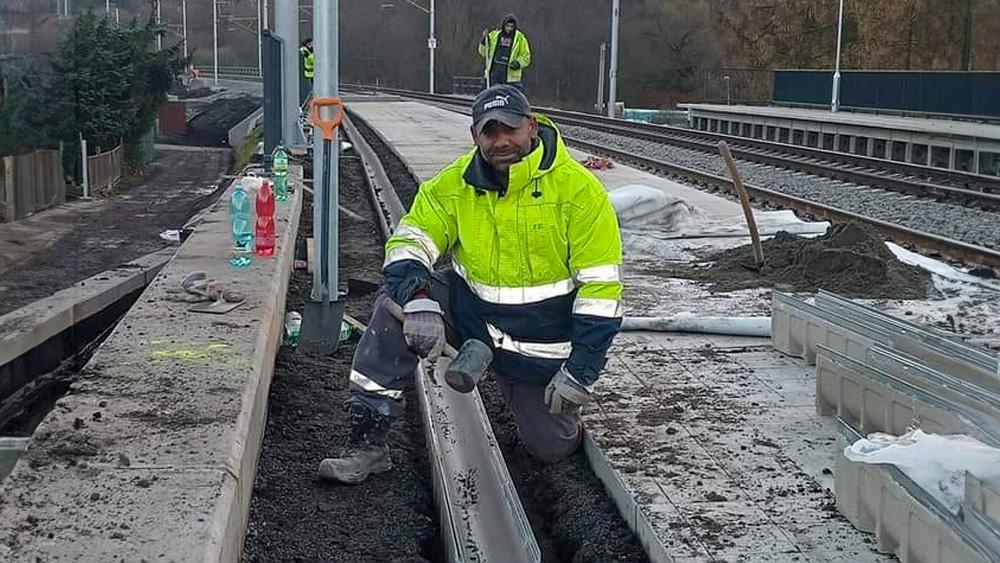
(405, 183)
(210, 127)
(294, 517)
(572, 516)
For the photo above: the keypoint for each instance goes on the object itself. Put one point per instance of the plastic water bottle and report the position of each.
(346, 330)
(280, 174)
(241, 217)
(293, 328)
(264, 229)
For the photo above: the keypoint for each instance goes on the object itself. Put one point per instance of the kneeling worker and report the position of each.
(536, 260)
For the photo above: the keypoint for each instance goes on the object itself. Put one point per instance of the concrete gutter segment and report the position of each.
(153, 454)
(878, 373)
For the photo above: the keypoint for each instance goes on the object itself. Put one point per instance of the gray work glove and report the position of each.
(564, 394)
(423, 327)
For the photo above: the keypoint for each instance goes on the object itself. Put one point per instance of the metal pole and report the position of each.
(729, 99)
(159, 36)
(613, 75)
(118, 17)
(326, 84)
(260, 41)
(431, 46)
(600, 79)
(215, 38)
(184, 23)
(86, 175)
(835, 97)
(267, 21)
(286, 23)
(107, 8)
(967, 50)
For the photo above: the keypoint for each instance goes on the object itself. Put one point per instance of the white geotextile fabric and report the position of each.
(934, 462)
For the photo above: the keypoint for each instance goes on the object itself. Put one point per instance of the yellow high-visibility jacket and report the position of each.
(537, 264)
(519, 51)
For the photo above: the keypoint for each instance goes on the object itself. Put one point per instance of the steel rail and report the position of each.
(927, 242)
(894, 175)
(481, 515)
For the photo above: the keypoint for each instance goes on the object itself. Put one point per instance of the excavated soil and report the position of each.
(293, 516)
(850, 259)
(573, 518)
(210, 127)
(402, 180)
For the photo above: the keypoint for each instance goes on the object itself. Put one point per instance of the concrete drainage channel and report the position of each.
(570, 515)
(46, 343)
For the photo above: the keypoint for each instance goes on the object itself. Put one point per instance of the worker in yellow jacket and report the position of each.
(506, 52)
(307, 61)
(535, 275)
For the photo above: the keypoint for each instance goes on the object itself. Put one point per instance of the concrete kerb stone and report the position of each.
(636, 519)
(153, 454)
(27, 327)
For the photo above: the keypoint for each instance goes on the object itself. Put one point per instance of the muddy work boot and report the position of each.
(367, 450)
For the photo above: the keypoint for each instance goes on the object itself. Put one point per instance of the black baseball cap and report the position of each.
(501, 102)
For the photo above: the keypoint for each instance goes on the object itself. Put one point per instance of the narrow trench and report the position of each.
(293, 516)
(35, 381)
(571, 515)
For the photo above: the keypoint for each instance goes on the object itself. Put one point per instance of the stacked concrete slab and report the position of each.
(878, 373)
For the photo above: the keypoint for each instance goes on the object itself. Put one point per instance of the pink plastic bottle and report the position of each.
(264, 229)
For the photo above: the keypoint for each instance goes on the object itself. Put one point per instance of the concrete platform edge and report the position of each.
(229, 520)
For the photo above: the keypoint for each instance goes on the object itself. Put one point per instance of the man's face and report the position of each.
(509, 27)
(502, 146)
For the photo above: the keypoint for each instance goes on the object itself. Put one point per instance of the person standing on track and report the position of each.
(536, 273)
(308, 62)
(506, 53)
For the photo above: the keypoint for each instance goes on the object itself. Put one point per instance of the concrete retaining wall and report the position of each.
(153, 454)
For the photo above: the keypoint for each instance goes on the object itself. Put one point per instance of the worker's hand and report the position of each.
(423, 327)
(564, 394)
(514, 65)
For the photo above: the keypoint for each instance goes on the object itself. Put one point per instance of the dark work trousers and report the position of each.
(384, 366)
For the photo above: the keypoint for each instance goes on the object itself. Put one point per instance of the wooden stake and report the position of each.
(734, 175)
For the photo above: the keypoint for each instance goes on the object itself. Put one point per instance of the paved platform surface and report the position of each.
(715, 438)
(54, 249)
(152, 455)
(943, 127)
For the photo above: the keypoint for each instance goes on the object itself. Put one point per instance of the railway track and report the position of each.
(916, 183)
(924, 181)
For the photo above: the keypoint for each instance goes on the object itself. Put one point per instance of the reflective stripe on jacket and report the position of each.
(519, 51)
(540, 261)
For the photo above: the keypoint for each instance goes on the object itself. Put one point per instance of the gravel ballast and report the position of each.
(965, 224)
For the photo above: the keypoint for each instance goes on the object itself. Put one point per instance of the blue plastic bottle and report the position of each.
(241, 217)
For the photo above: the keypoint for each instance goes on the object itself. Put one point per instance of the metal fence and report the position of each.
(104, 169)
(30, 183)
(946, 93)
